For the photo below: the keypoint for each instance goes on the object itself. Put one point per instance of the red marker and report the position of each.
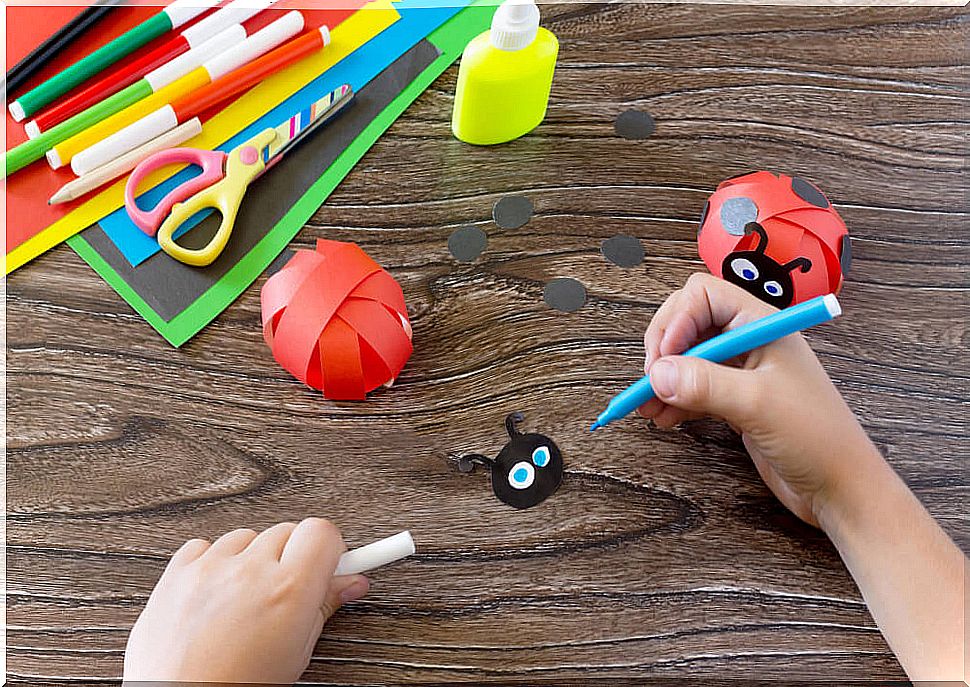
(235, 12)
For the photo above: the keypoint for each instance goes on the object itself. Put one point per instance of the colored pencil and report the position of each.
(213, 68)
(114, 169)
(185, 63)
(18, 75)
(173, 16)
(196, 102)
(236, 12)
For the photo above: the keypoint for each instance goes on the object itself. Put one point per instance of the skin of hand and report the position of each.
(814, 455)
(246, 608)
(792, 420)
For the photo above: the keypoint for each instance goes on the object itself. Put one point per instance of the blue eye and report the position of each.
(773, 288)
(541, 456)
(744, 269)
(522, 475)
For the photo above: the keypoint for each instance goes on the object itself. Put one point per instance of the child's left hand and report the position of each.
(247, 608)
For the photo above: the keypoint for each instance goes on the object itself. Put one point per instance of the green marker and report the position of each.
(34, 149)
(173, 16)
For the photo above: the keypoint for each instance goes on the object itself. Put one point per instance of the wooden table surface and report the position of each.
(663, 554)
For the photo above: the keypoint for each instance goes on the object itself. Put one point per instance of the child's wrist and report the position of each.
(849, 497)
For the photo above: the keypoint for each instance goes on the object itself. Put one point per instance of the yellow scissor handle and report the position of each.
(243, 164)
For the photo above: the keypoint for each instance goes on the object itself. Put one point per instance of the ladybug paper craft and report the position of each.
(527, 471)
(778, 237)
(336, 320)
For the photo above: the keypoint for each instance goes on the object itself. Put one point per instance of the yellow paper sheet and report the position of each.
(353, 32)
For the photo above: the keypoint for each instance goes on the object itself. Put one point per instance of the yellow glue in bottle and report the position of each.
(505, 77)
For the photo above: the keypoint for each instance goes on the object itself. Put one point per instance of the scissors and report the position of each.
(224, 179)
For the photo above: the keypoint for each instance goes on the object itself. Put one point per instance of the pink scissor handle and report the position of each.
(212, 163)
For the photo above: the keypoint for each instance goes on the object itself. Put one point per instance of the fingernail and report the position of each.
(663, 378)
(355, 591)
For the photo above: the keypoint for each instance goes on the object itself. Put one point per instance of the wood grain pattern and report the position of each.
(663, 555)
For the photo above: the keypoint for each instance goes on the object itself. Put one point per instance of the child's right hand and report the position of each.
(803, 439)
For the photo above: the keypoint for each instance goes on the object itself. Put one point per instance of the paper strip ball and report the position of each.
(336, 320)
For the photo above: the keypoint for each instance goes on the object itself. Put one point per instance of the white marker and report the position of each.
(382, 552)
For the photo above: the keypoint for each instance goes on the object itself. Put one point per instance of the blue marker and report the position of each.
(730, 344)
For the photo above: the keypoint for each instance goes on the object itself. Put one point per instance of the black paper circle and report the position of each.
(635, 125)
(512, 212)
(623, 250)
(467, 243)
(564, 294)
(807, 192)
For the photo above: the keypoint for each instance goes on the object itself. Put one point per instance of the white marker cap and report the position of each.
(375, 555)
(33, 131)
(125, 140)
(53, 159)
(17, 111)
(832, 305)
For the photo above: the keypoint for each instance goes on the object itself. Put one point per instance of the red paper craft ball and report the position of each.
(336, 320)
(778, 237)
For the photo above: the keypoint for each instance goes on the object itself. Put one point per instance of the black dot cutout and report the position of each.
(512, 212)
(808, 193)
(564, 294)
(623, 250)
(845, 261)
(707, 208)
(635, 125)
(467, 243)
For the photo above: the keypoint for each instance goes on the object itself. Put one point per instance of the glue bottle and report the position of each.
(505, 77)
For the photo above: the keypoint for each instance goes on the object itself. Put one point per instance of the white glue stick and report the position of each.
(382, 552)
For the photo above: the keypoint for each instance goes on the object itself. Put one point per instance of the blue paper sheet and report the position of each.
(418, 19)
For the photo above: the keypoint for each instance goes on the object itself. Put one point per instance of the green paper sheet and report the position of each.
(451, 38)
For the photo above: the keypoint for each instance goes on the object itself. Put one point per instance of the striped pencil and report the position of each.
(236, 12)
(172, 17)
(198, 101)
(211, 70)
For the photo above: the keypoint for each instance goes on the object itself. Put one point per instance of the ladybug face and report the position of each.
(527, 471)
(761, 276)
(808, 253)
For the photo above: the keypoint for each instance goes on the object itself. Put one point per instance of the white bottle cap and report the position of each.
(515, 24)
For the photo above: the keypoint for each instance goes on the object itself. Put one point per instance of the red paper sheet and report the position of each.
(29, 189)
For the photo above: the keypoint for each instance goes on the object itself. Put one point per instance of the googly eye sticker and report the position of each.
(773, 288)
(541, 456)
(745, 269)
(522, 475)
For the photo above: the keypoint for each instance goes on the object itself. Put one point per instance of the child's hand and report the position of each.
(247, 608)
(798, 430)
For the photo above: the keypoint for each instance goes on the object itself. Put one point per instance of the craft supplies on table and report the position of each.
(198, 101)
(236, 12)
(175, 15)
(731, 344)
(213, 69)
(224, 179)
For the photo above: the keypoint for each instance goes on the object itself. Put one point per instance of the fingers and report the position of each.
(270, 542)
(313, 549)
(705, 303)
(188, 552)
(231, 543)
(692, 385)
(343, 590)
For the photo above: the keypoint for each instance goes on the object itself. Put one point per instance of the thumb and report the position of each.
(343, 589)
(700, 386)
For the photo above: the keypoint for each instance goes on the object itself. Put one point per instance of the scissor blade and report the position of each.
(308, 120)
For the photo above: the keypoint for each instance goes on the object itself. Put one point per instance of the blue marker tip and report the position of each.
(595, 426)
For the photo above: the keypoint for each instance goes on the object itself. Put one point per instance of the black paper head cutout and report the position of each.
(527, 471)
(635, 125)
(761, 276)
